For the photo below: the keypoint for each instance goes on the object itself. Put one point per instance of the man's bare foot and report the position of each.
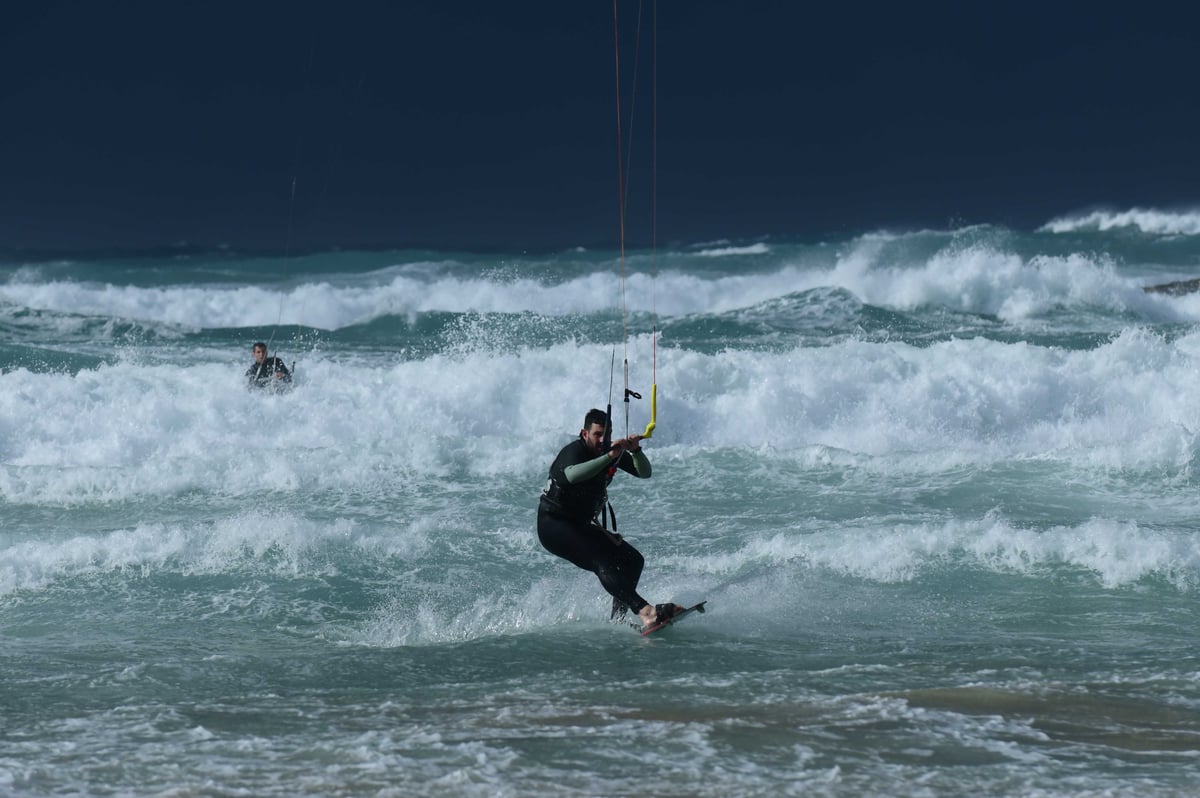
(652, 613)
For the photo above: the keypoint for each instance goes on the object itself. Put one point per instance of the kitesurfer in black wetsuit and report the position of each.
(571, 505)
(267, 372)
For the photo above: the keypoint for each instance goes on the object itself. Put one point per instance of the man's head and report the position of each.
(595, 425)
(260, 352)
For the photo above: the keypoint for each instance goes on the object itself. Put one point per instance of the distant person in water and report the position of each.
(576, 495)
(268, 372)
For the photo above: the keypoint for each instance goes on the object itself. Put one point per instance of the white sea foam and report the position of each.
(887, 271)
(985, 280)
(276, 542)
(129, 430)
(720, 252)
(1148, 220)
(333, 307)
(1117, 553)
(1123, 404)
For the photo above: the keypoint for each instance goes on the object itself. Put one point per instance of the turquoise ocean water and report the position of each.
(941, 490)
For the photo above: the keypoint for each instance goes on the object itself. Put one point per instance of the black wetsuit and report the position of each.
(567, 523)
(262, 375)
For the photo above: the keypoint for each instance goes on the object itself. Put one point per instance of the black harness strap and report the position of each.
(609, 515)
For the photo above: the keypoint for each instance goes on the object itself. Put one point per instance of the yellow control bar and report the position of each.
(653, 411)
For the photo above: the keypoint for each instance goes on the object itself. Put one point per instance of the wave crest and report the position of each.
(1147, 220)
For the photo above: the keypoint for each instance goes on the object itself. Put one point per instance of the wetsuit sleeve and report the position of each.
(641, 464)
(582, 472)
(635, 463)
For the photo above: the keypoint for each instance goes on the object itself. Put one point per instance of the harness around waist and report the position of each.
(573, 511)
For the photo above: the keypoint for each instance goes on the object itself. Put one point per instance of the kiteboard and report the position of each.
(686, 611)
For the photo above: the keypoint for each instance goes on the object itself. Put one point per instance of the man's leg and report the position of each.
(618, 567)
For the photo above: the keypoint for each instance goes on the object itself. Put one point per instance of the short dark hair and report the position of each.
(259, 345)
(595, 416)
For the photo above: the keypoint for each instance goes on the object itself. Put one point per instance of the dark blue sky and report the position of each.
(483, 125)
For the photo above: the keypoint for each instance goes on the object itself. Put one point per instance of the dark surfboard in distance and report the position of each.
(1177, 288)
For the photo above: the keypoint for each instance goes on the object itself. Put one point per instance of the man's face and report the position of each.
(259, 354)
(593, 436)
